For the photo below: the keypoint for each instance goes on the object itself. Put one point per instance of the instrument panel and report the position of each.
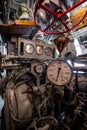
(35, 50)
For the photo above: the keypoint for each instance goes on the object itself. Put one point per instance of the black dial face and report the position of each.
(29, 48)
(59, 72)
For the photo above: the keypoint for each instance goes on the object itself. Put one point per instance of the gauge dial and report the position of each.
(59, 72)
(48, 51)
(39, 68)
(39, 49)
(29, 48)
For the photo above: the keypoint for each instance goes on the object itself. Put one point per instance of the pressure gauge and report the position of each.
(39, 68)
(29, 48)
(48, 51)
(39, 49)
(59, 72)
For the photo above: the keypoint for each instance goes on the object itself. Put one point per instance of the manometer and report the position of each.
(39, 49)
(39, 68)
(29, 48)
(59, 72)
(48, 51)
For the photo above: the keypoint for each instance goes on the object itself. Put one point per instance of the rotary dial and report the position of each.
(59, 72)
(29, 48)
(39, 49)
(48, 51)
(39, 68)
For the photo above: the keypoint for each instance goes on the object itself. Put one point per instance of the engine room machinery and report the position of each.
(40, 91)
(38, 95)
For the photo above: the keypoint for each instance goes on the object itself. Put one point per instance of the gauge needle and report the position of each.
(58, 73)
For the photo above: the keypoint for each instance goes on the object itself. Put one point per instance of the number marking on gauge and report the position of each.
(39, 68)
(39, 49)
(59, 72)
(29, 48)
(48, 51)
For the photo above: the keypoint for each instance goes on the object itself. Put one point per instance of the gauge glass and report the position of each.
(59, 72)
(39, 50)
(29, 48)
(48, 51)
(39, 68)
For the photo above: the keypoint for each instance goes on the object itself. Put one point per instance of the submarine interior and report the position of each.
(43, 65)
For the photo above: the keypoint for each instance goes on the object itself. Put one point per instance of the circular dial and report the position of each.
(39, 68)
(39, 49)
(48, 51)
(59, 72)
(29, 48)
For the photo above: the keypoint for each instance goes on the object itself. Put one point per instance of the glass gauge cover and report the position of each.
(39, 68)
(29, 48)
(48, 51)
(39, 49)
(59, 72)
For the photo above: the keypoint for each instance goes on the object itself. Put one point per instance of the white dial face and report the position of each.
(48, 51)
(39, 50)
(39, 68)
(29, 48)
(59, 72)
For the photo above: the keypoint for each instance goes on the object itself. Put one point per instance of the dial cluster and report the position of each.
(32, 49)
(29, 48)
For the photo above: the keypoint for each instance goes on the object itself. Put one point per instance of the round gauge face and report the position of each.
(59, 72)
(48, 51)
(29, 48)
(39, 68)
(39, 50)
